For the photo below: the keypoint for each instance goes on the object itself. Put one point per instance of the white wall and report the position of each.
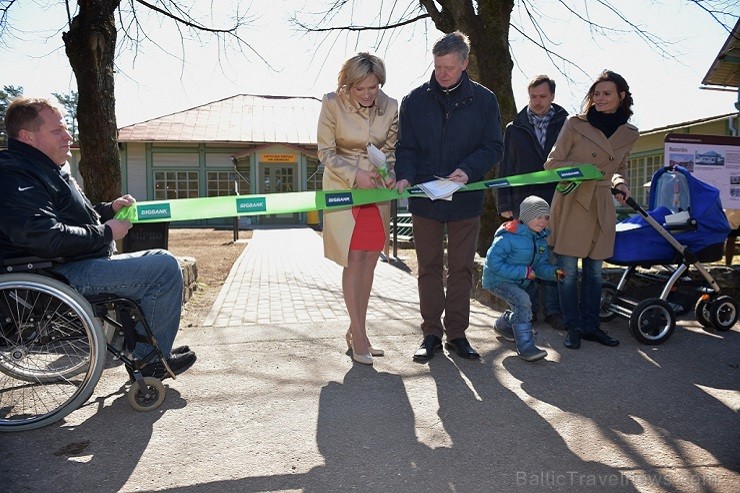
(136, 170)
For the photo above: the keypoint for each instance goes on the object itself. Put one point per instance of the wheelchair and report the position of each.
(53, 345)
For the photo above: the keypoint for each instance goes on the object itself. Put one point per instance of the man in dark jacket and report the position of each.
(45, 214)
(527, 142)
(448, 127)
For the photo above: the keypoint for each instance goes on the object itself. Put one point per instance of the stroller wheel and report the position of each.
(723, 313)
(652, 321)
(702, 313)
(608, 293)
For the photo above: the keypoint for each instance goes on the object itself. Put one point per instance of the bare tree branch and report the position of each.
(188, 21)
(717, 13)
(385, 27)
(544, 43)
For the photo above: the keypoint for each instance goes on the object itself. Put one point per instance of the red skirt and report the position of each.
(368, 233)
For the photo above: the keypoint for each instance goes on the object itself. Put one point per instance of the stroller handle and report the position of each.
(630, 201)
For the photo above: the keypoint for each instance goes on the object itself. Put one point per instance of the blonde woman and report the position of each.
(358, 113)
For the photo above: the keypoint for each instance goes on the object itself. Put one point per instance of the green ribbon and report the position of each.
(292, 202)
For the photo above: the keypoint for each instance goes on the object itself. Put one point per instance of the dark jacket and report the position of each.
(44, 213)
(523, 154)
(441, 132)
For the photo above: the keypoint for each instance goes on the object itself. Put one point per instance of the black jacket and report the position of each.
(44, 214)
(523, 154)
(440, 132)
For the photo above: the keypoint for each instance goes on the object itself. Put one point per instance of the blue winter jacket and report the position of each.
(516, 247)
(439, 132)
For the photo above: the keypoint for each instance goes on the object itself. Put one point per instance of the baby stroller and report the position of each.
(684, 227)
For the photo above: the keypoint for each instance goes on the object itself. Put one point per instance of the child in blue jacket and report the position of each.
(516, 257)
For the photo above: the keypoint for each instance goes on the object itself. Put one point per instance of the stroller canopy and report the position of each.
(672, 190)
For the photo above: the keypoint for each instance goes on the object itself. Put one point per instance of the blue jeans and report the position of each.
(152, 278)
(520, 304)
(580, 312)
(550, 296)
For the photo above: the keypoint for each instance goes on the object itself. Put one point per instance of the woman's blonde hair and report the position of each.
(358, 67)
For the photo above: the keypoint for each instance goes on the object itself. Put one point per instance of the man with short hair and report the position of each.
(527, 142)
(46, 215)
(450, 127)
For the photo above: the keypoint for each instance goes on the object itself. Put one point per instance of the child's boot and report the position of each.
(502, 327)
(525, 343)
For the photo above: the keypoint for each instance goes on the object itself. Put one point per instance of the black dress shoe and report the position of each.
(573, 339)
(462, 347)
(429, 346)
(178, 363)
(601, 337)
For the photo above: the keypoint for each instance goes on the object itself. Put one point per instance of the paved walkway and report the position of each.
(275, 403)
(283, 278)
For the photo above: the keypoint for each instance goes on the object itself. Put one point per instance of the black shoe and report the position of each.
(180, 350)
(430, 345)
(601, 337)
(462, 347)
(573, 339)
(555, 321)
(178, 363)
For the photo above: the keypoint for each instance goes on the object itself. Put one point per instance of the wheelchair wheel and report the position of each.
(723, 313)
(52, 351)
(608, 292)
(652, 321)
(148, 399)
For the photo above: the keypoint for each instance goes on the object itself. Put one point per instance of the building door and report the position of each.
(278, 178)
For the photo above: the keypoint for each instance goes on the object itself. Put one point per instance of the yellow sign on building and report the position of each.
(279, 158)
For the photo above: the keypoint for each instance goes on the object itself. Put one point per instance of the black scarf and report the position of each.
(608, 123)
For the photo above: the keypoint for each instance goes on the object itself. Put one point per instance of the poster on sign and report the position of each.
(714, 159)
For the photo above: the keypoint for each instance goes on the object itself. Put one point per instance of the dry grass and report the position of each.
(215, 253)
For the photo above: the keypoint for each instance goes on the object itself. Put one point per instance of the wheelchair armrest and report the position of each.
(25, 264)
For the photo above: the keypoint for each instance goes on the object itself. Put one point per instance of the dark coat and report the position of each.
(440, 132)
(523, 154)
(44, 213)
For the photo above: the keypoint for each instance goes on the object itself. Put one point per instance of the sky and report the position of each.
(154, 81)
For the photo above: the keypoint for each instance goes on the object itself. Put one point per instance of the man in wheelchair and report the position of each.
(46, 215)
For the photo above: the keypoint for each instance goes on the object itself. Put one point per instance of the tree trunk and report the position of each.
(90, 46)
(490, 64)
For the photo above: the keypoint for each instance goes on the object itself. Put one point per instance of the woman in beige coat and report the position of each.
(583, 220)
(357, 114)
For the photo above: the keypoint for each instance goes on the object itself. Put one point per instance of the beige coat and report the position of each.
(583, 221)
(345, 129)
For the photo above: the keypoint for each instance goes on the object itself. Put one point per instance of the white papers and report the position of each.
(441, 188)
(376, 156)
